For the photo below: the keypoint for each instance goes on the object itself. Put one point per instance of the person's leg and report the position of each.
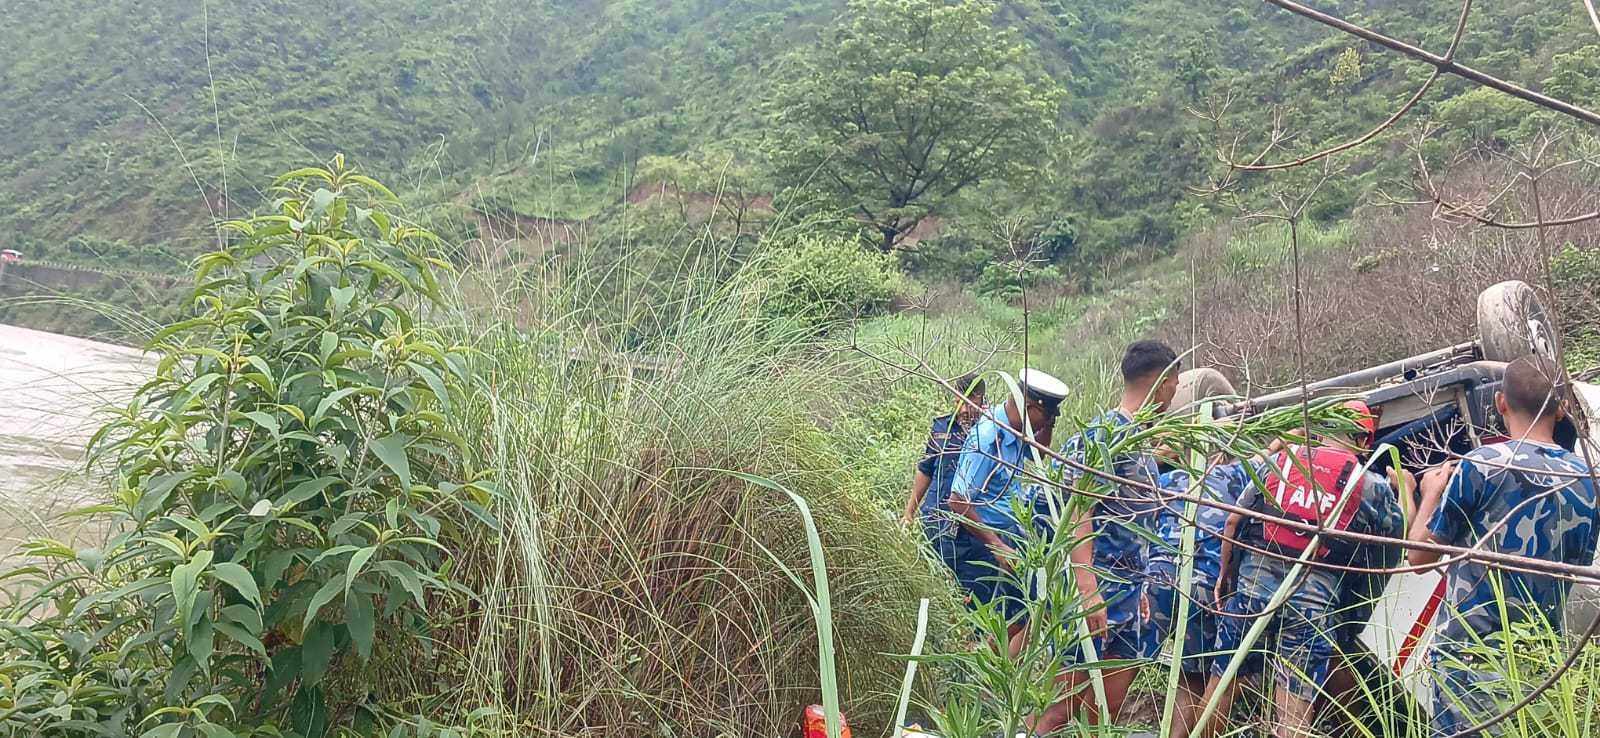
(1062, 710)
(1080, 697)
(1293, 714)
(1191, 693)
(1256, 584)
(1223, 696)
(1015, 609)
(1199, 644)
(967, 563)
(1126, 639)
(1081, 700)
(1462, 697)
(1305, 651)
(943, 540)
(1117, 683)
(1448, 718)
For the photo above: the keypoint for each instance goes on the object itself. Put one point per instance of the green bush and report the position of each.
(819, 281)
(285, 485)
(1573, 274)
(1004, 281)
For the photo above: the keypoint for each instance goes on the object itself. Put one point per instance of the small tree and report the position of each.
(907, 102)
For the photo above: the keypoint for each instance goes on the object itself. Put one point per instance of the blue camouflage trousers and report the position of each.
(1199, 634)
(1463, 696)
(1299, 638)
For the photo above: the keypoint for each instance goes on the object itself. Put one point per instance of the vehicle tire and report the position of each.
(1512, 323)
(1198, 385)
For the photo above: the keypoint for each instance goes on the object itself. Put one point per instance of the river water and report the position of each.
(53, 391)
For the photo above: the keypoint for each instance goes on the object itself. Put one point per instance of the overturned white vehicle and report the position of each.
(1433, 407)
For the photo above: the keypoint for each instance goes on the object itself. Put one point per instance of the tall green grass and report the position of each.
(642, 583)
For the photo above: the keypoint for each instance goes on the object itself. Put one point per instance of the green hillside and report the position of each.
(133, 121)
(129, 123)
(605, 422)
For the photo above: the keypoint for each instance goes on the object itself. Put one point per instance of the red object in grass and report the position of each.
(814, 723)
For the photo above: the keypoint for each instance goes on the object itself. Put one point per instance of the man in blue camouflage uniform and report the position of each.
(936, 470)
(1221, 483)
(1527, 497)
(1111, 561)
(987, 479)
(1301, 634)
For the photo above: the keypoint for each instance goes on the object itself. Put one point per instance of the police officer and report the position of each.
(986, 481)
(930, 488)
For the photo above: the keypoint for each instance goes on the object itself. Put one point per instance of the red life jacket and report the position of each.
(1311, 500)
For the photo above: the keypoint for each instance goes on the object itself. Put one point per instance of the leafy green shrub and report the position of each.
(1573, 274)
(819, 281)
(284, 487)
(1004, 281)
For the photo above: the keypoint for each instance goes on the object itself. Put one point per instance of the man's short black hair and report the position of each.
(1145, 360)
(970, 383)
(1532, 386)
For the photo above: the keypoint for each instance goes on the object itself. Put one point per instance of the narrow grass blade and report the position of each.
(1181, 618)
(911, 669)
(821, 602)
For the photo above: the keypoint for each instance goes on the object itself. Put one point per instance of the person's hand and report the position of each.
(1219, 592)
(1144, 607)
(1403, 480)
(1435, 480)
(1094, 609)
(907, 519)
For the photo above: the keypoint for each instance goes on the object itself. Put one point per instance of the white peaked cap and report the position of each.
(1042, 384)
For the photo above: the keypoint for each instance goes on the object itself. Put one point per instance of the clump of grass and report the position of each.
(642, 583)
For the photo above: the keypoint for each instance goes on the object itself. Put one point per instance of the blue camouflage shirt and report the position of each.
(1222, 483)
(1521, 498)
(987, 473)
(1120, 544)
(939, 461)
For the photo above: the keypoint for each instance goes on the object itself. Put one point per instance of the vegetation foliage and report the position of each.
(905, 103)
(361, 454)
(287, 494)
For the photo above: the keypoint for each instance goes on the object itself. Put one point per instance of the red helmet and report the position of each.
(814, 723)
(1367, 420)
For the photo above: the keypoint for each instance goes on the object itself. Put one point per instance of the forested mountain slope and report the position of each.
(128, 123)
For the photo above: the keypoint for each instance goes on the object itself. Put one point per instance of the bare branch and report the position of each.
(1441, 63)
(1455, 41)
(1448, 209)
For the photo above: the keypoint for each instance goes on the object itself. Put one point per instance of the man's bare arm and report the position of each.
(1083, 572)
(919, 488)
(1431, 491)
(1230, 530)
(967, 515)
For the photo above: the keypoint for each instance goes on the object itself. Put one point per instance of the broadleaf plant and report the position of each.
(284, 482)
